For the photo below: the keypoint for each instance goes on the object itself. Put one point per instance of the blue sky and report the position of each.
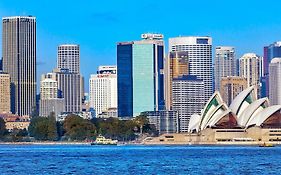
(97, 26)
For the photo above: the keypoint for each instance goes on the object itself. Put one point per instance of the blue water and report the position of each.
(83, 159)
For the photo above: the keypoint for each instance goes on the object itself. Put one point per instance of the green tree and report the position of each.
(43, 128)
(77, 128)
(2, 127)
(141, 121)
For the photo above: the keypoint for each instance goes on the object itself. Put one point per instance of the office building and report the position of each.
(275, 81)
(165, 122)
(19, 61)
(250, 67)
(69, 57)
(200, 58)
(187, 98)
(225, 64)
(103, 89)
(68, 88)
(49, 101)
(5, 93)
(270, 52)
(231, 86)
(140, 77)
(176, 65)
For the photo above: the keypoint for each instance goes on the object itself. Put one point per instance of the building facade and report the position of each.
(176, 65)
(103, 89)
(250, 67)
(188, 98)
(231, 86)
(165, 122)
(275, 81)
(19, 60)
(49, 101)
(140, 75)
(69, 57)
(225, 64)
(200, 58)
(5, 93)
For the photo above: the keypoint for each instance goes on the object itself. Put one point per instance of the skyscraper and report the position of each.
(187, 98)
(69, 57)
(103, 89)
(5, 93)
(251, 68)
(232, 86)
(140, 79)
(200, 58)
(49, 101)
(19, 60)
(275, 81)
(176, 65)
(225, 64)
(68, 88)
(270, 52)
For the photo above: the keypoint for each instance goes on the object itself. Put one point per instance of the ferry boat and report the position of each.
(101, 140)
(266, 145)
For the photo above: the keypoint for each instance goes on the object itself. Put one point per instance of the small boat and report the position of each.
(101, 140)
(266, 145)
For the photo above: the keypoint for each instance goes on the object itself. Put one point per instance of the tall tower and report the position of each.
(140, 76)
(103, 89)
(176, 65)
(19, 60)
(200, 58)
(225, 64)
(251, 68)
(5, 94)
(69, 57)
(275, 81)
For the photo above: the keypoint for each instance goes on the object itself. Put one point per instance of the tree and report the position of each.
(43, 128)
(77, 128)
(141, 121)
(2, 127)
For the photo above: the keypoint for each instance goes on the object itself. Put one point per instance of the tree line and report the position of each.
(75, 128)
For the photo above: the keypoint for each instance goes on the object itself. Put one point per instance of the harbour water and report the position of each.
(84, 159)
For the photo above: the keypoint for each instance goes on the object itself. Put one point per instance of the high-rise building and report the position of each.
(250, 67)
(49, 101)
(225, 64)
(1, 65)
(275, 81)
(200, 58)
(103, 89)
(5, 93)
(69, 57)
(232, 86)
(270, 52)
(68, 88)
(140, 76)
(19, 60)
(176, 65)
(187, 98)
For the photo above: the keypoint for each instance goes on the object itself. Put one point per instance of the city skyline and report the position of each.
(57, 27)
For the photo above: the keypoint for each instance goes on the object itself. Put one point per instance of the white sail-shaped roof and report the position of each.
(250, 110)
(210, 107)
(239, 104)
(194, 123)
(259, 118)
(216, 119)
(213, 116)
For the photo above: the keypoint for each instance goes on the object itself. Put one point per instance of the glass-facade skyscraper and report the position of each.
(140, 78)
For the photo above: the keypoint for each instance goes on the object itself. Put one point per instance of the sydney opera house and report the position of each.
(246, 120)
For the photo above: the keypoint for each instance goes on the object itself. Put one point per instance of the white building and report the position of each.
(250, 67)
(200, 58)
(69, 57)
(49, 101)
(103, 89)
(275, 81)
(225, 64)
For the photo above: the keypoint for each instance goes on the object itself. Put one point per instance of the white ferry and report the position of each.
(101, 140)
